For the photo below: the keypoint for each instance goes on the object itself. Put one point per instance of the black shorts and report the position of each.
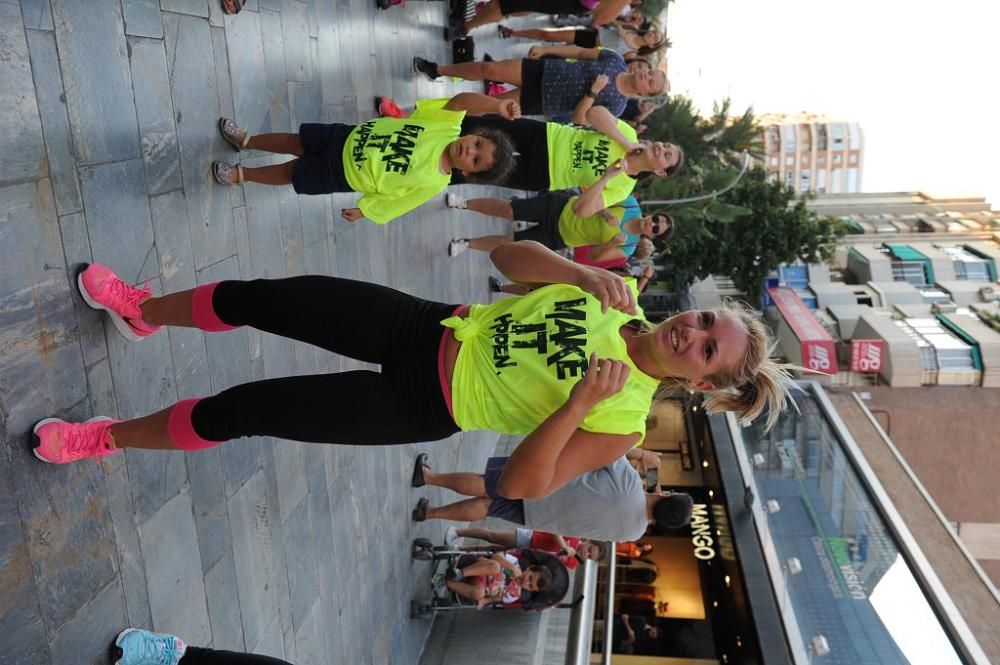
(321, 169)
(511, 510)
(585, 37)
(544, 210)
(508, 7)
(531, 86)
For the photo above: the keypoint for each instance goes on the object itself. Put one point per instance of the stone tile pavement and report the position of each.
(108, 115)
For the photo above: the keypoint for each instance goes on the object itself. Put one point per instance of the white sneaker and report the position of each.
(457, 246)
(450, 536)
(454, 201)
(523, 226)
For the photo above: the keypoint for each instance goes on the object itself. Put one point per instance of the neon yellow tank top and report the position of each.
(521, 356)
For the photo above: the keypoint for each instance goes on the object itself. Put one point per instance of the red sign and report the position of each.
(866, 355)
(818, 351)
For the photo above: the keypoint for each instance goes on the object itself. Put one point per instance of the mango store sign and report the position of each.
(708, 540)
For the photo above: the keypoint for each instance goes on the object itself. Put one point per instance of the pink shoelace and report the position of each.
(127, 298)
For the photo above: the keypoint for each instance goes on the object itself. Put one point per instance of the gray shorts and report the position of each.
(522, 540)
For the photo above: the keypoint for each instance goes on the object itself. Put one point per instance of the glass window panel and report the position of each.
(837, 568)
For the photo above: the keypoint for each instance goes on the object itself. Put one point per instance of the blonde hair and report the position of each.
(757, 383)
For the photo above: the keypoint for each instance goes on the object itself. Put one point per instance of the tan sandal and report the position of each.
(230, 132)
(223, 173)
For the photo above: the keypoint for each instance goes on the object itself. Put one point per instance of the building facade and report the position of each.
(813, 153)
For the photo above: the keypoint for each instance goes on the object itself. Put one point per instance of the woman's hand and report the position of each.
(616, 169)
(603, 379)
(351, 214)
(646, 461)
(600, 82)
(620, 239)
(536, 52)
(607, 287)
(510, 109)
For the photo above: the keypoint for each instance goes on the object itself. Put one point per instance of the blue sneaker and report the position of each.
(142, 647)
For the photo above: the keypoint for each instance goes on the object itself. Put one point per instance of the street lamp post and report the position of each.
(745, 164)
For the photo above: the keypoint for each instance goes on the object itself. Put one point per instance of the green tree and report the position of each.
(745, 234)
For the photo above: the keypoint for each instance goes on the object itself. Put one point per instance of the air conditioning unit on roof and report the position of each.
(988, 293)
(946, 307)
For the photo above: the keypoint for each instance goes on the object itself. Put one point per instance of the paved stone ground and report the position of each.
(107, 128)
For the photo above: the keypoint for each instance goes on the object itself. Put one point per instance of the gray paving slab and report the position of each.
(102, 389)
(94, 58)
(21, 141)
(142, 19)
(55, 123)
(176, 586)
(293, 484)
(157, 134)
(310, 648)
(192, 7)
(208, 497)
(155, 478)
(20, 616)
(190, 62)
(224, 604)
(68, 532)
(251, 96)
(295, 35)
(115, 194)
(292, 239)
(301, 554)
(250, 517)
(278, 118)
(173, 241)
(90, 322)
(37, 14)
(131, 563)
(86, 637)
(271, 642)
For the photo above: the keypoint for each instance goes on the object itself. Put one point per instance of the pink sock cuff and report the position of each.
(180, 429)
(202, 311)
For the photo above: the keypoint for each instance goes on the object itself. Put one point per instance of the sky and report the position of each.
(922, 78)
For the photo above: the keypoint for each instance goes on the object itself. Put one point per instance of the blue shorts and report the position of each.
(321, 169)
(511, 510)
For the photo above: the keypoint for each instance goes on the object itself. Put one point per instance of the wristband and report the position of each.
(591, 94)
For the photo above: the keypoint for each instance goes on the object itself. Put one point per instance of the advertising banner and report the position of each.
(866, 355)
(818, 350)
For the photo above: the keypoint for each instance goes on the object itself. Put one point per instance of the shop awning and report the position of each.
(907, 253)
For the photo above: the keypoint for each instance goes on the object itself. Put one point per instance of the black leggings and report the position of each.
(372, 323)
(203, 656)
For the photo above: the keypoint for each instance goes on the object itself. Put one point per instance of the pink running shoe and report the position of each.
(103, 289)
(60, 442)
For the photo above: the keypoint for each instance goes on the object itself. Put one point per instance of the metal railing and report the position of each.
(581, 622)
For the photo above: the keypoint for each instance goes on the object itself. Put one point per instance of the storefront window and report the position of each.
(846, 593)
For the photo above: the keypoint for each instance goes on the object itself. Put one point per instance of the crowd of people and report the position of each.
(569, 362)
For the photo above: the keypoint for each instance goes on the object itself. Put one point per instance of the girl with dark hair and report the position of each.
(396, 164)
(608, 160)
